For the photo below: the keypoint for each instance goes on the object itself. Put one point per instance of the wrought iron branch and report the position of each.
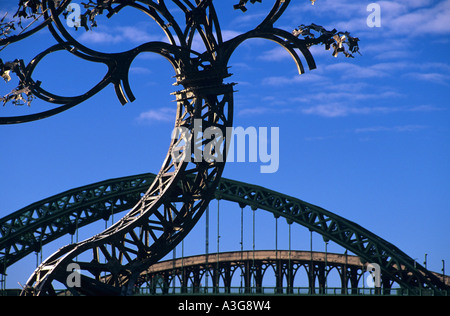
(180, 51)
(6, 27)
(242, 4)
(316, 34)
(93, 9)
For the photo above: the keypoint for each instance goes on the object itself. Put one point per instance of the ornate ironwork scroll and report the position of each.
(185, 184)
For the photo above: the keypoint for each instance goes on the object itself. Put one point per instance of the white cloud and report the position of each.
(135, 34)
(328, 110)
(249, 19)
(255, 111)
(159, 115)
(433, 77)
(140, 70)
(399, 129)
(350, 96)
(416, 18)
(349, 70)
(229, 34)
(280, 54)
(339, 109)
(343, 70)
(411, 18)
(97, 37)
(344, 9)
(117, 35)
(304, 78)
(275, 54)
(272, 108)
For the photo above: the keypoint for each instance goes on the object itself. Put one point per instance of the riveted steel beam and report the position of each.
(91, 201)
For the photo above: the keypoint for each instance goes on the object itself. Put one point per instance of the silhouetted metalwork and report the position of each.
(174, 201)
(34, 226)
(35, 15)
(244, 272)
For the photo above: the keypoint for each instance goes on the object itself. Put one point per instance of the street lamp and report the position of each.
(443, 271)
(326, 240)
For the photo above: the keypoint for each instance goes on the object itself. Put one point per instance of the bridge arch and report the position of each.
(294, 272)
(28, 229)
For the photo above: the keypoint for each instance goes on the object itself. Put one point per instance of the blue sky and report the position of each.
(367, 138)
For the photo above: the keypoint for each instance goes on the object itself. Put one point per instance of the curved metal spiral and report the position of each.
(167, 212)
(186, 182)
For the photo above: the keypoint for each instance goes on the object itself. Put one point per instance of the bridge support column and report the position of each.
(386, 284)
(289, 277)
(311, 279)
(215, 279)
(184, 281)
(166, 283)
(226, 275)
(349, 279)
(353, 279)
(344, 280)
(258, 277)
(2, 282)
(279, 277)
(321, 278)
(196, 280)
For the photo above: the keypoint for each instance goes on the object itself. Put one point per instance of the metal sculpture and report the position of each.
(175, 201)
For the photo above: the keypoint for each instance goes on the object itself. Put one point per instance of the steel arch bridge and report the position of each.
(173, 200)
(28, 229)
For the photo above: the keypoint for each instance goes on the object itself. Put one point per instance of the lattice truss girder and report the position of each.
(129, 189)
(366, 245)
(27, 230)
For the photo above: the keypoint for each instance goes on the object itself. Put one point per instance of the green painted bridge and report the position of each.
(27, 230)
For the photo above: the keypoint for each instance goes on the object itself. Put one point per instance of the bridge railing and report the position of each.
(283, 291)
(331, 291)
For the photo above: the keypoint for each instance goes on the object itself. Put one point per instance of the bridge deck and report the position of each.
(264, 255)
(238, 257)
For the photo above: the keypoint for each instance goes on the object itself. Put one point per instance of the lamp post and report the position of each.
(326, 240)
(443, 271)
